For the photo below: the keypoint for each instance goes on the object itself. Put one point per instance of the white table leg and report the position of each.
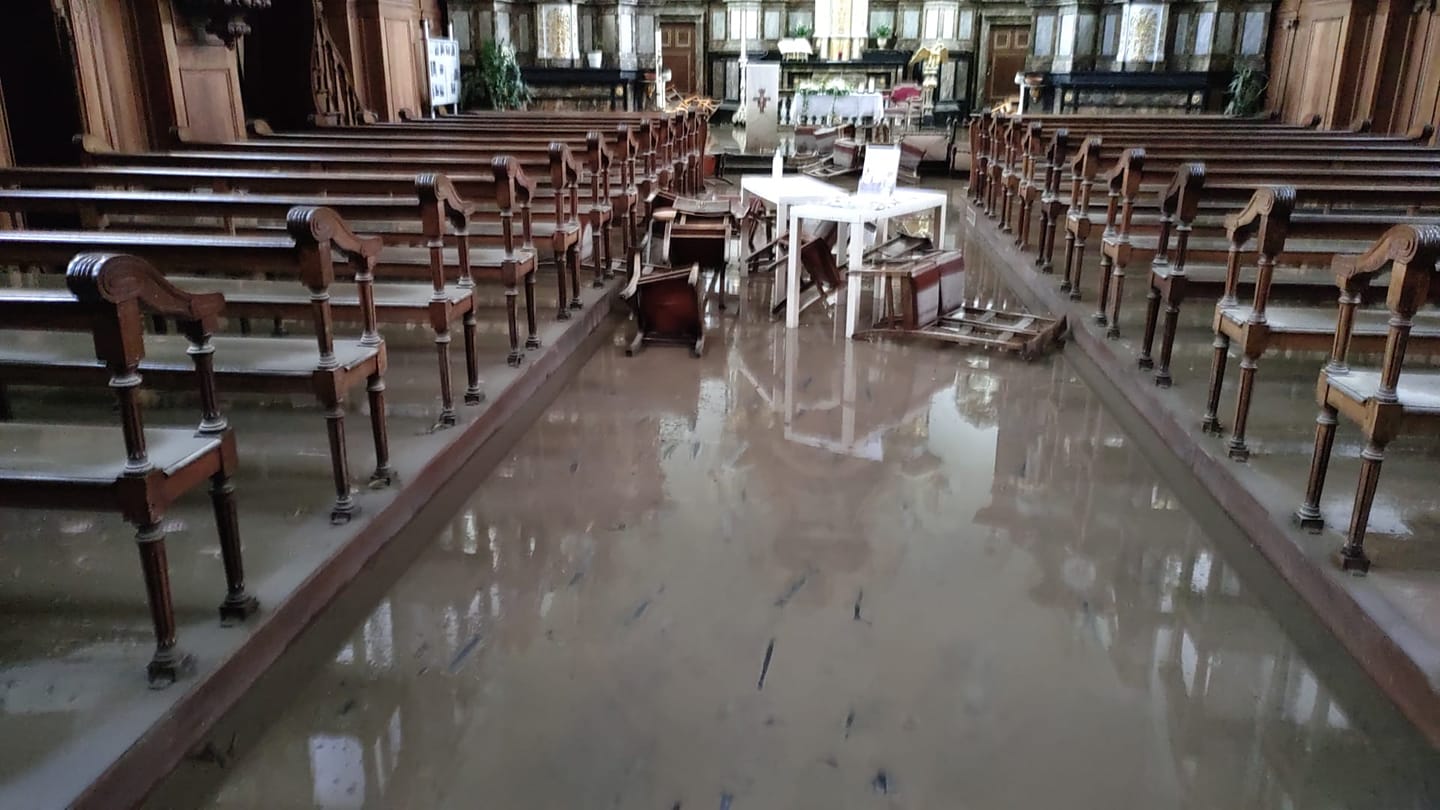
(782, 227)
(940, 237)
(847, 398)
(792, 351)
(792, 279)
(852, 286)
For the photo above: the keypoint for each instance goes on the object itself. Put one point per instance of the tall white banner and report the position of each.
(762, 106)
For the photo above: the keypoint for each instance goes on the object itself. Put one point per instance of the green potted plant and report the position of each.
(494, 81)
(1247, 91)
(801, 31)
(882, 36)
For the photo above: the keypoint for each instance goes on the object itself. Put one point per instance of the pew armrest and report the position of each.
(1409, 253)
(1267, 219)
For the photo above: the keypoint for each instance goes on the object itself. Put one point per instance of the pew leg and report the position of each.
(1107, 269)
(1352, 554)
(345, 506)
(383, 476)
(1308, 515)
(1022, 231)
(245, 327)
(1152, 317)
(447, 392)
(1167, 343)
(1069, 259)
(532, 340)
(597, 245)
(1005, 210)
(1079, 266)
(6, 414)
(238, 605)
(473, 394)
(512, 316)
(572, 258)
(159, 325)
(1046, 259)
(277, 328)
(1211, 421)
(169, 664)
(1117, 293)
(1237, 449)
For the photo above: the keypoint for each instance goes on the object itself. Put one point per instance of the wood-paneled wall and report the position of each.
(137, 74)
(1357, 60)
(390, 59)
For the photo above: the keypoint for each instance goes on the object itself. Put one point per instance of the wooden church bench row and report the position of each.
(131, 468)
(323, 366)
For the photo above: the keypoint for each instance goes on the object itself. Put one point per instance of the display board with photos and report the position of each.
(443, 59)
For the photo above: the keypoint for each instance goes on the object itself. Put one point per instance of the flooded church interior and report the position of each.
(953, 404)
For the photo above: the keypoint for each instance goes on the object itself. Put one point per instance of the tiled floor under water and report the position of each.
(804, 573)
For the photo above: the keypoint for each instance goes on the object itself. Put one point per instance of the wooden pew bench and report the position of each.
(49, 465)
(607, 182)
(398, 296)
(1383, 401)
(324, 367)
(559, 236)
(552, 197)
(1259, 326)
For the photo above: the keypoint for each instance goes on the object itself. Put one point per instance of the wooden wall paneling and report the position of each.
(342, 17)
(402, 76)
(390, 39)
(108, 68)
(1419, 80)
(1285, 30)
(1322, 58)
(210, 86)
(1386, 62)
(1353, 62)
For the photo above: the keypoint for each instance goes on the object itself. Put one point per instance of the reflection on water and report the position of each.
(803, 572)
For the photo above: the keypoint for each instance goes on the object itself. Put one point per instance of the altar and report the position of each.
(818, 108)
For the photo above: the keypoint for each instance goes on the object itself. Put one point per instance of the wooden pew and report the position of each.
(562, 229)
(613, 169)
(656, 161)
(686, 132)
(439, 303)
(1383, 400)
(320, 159)
(670, 147)
(1172, 272)
(48, 465)
(1261, 326)
(327, 368)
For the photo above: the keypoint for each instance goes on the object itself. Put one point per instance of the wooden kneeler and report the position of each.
(667, 306)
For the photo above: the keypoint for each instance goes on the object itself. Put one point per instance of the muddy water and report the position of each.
(798, 573)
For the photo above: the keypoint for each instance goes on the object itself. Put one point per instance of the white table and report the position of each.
(853, 213)
(782, 192)
(849, 107)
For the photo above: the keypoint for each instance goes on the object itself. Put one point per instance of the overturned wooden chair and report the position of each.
(667, 305)
(66, 466)
(930, 302)
(694, 231)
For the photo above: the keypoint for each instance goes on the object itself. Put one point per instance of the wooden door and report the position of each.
(678, 52)
(1009, 45)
